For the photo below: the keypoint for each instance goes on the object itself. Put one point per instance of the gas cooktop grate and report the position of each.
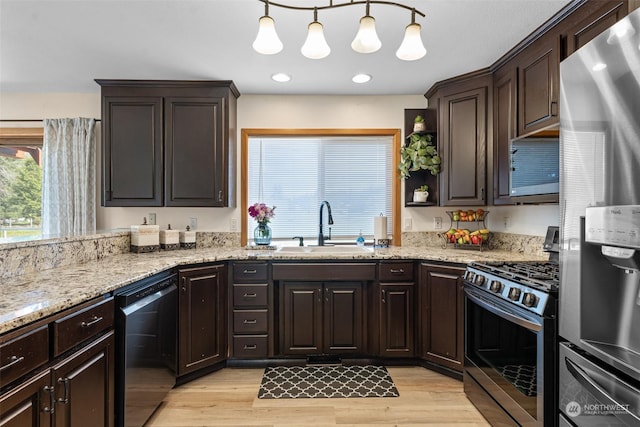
(543, 273)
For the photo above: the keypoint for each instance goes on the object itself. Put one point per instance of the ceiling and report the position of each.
(62, 46)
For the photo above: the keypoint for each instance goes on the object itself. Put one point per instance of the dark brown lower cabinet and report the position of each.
(29, 404)
(397, 319)
(84, 385)
(442, 315)
(202, 317)
(76, 392)
(318, 317)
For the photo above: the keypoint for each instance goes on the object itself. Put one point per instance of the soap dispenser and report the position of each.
(360, 239)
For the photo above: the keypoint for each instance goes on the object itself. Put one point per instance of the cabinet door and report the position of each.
(443, 315)
(464, 133)
(202, 313)
(504, 130)
(84, 384)
(28, 405)
(343, 318)
(538, 80)
(592, 19)
(301, 318)
(194, 155)
(397, 319)
(132, 151)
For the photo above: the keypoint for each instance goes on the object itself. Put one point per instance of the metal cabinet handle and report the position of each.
(49, 409)
(184, 284)
(13, 360)
(220, 195)
(253, 295)
(249, 272)
(65, 382)
(397, 271)
(384, 296)
(553, 108)
(249, 347)
(95, 319)
(250, 321)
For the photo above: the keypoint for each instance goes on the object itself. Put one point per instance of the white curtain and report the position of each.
(68, 178)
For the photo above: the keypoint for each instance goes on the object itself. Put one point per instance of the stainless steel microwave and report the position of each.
(535, 166)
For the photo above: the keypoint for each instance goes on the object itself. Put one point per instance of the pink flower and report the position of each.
(261, 212)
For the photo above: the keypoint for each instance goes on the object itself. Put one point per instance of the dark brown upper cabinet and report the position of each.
(168, 143)
(592, 19)
(505, 98)
(538, 84)
(463, 106)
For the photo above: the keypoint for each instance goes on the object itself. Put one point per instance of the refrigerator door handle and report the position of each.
(621, 409)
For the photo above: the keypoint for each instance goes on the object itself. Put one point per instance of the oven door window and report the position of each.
(506, 353)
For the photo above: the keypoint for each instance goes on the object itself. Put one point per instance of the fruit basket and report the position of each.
(467, 230)
(463, 238)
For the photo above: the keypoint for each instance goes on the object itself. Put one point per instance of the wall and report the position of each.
(276, 111)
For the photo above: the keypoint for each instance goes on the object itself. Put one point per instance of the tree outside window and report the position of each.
(20, 191)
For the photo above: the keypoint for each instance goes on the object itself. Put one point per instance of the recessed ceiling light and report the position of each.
(361, 78)
(281, 77)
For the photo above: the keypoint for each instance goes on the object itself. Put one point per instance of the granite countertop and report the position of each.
(27, 298)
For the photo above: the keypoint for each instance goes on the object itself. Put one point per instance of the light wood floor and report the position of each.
(229, 398)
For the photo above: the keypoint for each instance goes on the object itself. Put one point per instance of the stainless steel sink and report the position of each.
(337, 249)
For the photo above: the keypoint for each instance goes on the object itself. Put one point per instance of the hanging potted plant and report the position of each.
(421, 194)
(419, 153)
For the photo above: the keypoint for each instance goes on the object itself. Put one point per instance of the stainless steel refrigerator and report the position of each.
(599, 317)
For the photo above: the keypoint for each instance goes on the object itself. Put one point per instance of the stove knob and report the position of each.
(496, 287)
(468, 276)
(479, 280)
(529, 300)
(514, 294)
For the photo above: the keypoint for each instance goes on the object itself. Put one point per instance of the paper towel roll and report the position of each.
(380, 227)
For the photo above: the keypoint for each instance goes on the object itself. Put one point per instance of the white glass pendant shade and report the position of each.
(267, 41)
(411, 47)
(315, 46)
(366, 40)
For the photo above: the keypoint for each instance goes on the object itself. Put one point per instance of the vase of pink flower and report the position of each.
(262, 214)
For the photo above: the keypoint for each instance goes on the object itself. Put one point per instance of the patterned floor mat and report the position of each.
(294, 382)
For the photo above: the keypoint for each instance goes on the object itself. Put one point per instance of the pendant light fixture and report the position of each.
(365, 41)
(411, 47)
(315, 46)
(267, 41)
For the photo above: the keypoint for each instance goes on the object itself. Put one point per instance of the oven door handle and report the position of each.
(621, 410)
(507, 315)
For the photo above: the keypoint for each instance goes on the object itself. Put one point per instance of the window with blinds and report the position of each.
(295, 174)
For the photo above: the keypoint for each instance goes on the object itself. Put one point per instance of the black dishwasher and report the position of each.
(146, 346)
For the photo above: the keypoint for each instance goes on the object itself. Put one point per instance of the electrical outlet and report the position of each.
(507, 221)
(437, 223)
(151, 219)
(408, 224)
(233, 224)
(193, 223)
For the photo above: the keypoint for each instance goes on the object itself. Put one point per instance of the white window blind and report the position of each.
(295, 174)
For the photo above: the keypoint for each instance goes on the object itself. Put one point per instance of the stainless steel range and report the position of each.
(510, 339)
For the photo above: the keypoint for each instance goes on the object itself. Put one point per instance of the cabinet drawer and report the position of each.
(79, 326)
(250, 346)
(250, 321)
(249, 272)
(23, 354)
(396, 271)
(250, 295)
